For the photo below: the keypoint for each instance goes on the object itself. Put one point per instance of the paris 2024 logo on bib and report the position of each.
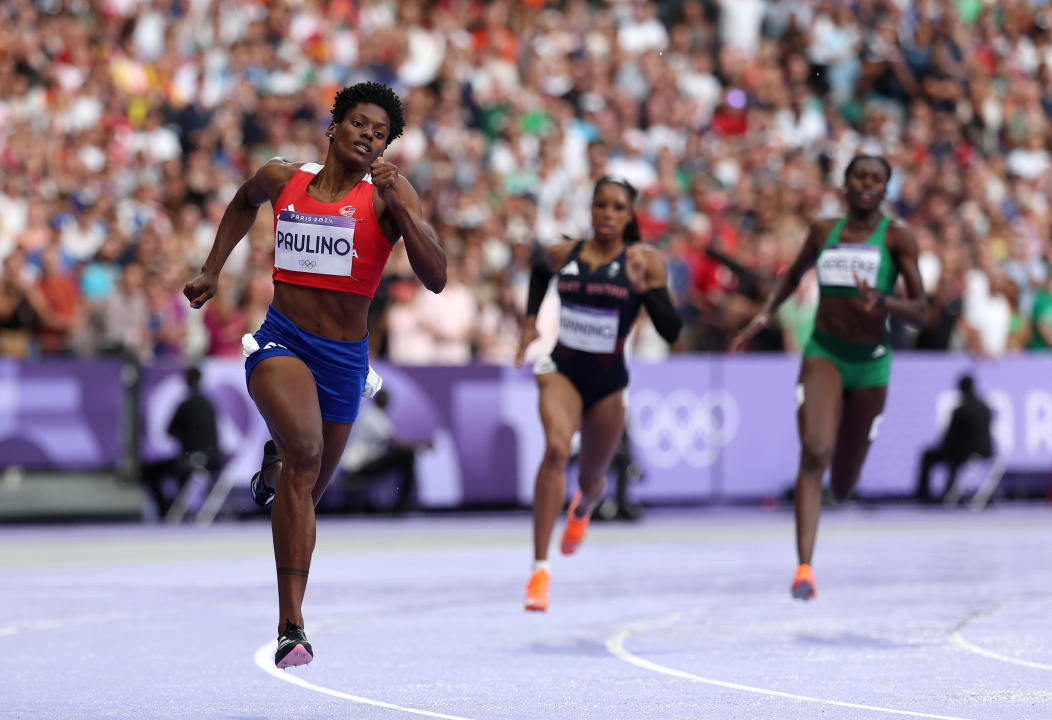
(319, 244)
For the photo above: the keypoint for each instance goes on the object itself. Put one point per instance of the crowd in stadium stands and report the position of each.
(127, 125)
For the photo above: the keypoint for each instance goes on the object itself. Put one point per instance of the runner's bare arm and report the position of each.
(402, 206)
(649, 279)
(541, 273)
(785, 285)
(264, 185)
(914, 307)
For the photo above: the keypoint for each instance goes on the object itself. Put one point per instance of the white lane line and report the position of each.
(957, 639)
(616, 645)
(264, 659)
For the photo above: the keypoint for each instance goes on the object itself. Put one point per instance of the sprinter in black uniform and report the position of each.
(602, 284)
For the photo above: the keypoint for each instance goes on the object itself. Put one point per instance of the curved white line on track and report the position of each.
(616, 645)
(264, 659)
(957, 639)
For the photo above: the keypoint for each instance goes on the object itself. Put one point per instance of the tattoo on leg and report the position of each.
(292, 571)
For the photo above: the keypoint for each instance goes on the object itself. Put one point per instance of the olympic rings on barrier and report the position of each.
(682, 427)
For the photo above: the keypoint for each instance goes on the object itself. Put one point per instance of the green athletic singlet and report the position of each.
(861, 365)
(1040, 315)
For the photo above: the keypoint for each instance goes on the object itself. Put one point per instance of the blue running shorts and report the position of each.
(339, 367)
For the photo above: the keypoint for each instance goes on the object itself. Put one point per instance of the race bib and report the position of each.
(588, 329)
(319, 244)
(838, 265)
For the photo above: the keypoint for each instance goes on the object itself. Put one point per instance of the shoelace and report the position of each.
(293, 631)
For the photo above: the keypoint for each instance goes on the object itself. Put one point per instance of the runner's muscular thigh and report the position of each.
(818, 414)
(285, 393)
(560, 407)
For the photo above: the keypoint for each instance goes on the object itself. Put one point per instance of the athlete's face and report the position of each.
(362, 135)
(866, 184)
(611, 211)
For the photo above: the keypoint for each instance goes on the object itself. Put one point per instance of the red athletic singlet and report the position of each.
(333, 246)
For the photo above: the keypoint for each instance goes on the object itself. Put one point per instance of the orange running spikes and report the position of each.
(576, 527)
(537, 591)
(804, 587)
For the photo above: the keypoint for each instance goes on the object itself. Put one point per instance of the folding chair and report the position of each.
(199, 480)
(993, 470)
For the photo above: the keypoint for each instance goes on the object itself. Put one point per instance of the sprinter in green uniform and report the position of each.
(844, 373)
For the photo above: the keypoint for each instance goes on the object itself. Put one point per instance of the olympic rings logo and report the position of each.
(681, 427)
(309, 264)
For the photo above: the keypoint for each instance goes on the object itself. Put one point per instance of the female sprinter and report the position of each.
(306, 367)
(846, 365)
(602, 283)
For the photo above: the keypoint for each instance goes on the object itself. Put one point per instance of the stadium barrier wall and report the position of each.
(703, 428)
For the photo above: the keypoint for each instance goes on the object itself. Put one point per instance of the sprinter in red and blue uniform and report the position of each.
(334, 227)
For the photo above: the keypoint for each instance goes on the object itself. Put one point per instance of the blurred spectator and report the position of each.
(450, 319)
(21, 306)
(194, 426)
(58, 288)
(409, 342)
(98, 278)
(224, 320)
(499, 325)
(967, 436)
(168, 317)
(373, 451)
(121, 320)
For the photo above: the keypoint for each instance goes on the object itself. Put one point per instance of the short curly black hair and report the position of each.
(377, 94)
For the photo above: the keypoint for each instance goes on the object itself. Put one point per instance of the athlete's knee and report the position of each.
(303, 457)
(556, 452)
(815, 455)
